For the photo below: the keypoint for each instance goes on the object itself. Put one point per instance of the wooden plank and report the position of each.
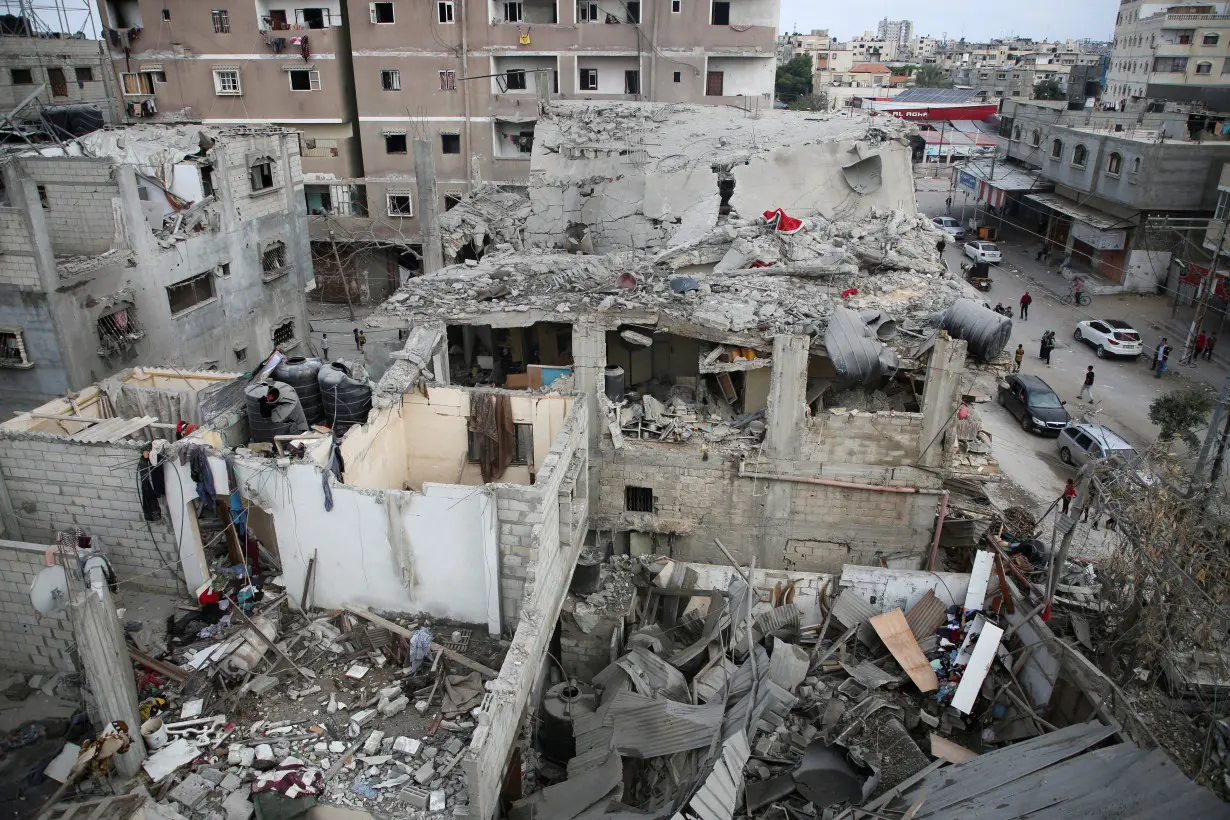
(93, 432)
(897, 636)
(945, 749)
(163, 668)
(979, 579)
(398, 629)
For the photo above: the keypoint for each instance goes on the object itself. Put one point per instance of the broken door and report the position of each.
(59, 85)
(714, 83)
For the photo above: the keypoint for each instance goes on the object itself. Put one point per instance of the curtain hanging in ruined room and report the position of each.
(491, 422)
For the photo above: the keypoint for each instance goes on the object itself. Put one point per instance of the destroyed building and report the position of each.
(181, 245)
(717, 348)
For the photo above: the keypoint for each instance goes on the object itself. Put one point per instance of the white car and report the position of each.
(949, 226)
(1110, 337)
(981, 251)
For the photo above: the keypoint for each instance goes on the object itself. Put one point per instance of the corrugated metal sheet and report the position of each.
(718, 796)
(653, 676)
(652, 727)
(851, 610)
(779, 618)
(566, 800)
(926, 616)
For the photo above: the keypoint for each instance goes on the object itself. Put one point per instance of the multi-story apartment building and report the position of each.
(995, 81)
(900, 32)
(363, 80)
(1169, 52)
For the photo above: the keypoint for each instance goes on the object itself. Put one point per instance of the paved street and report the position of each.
(1124, 388)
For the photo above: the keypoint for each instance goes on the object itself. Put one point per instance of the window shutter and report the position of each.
(371, 8)
(314, 79)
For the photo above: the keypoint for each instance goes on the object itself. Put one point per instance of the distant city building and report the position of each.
(1164, 52)
(898, 32)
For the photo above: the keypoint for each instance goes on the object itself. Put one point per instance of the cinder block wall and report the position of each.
(29, 642)
(871, 439)
(81, 209)
(55, 483)
(544, 581)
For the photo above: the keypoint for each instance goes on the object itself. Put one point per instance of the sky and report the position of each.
(1039, 19)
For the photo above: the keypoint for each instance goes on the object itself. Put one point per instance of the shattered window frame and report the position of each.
(13, 352)
(187, 294)
(283, 335)
(260, 175)
(273, 260)
(400, 196)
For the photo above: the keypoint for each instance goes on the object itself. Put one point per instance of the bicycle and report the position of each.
(1080, 297)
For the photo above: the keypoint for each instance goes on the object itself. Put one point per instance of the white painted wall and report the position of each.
(610, 73)
(434, 551)
(500, 65)
(186, 181)
(754, 13)
(745, 76)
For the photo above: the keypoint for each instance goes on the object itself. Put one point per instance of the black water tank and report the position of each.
(346, 400)
(613, 383)
(561, 705)
(284, 417)
(301, 374)
(587, 577)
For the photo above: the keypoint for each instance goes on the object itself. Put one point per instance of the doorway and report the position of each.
(59, 85)
(714, 83)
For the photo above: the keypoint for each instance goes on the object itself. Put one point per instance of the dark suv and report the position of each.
(1033, 402)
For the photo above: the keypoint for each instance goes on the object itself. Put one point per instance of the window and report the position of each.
(1212, 39)
(1016, 134)
(678, 76)
(391, 80)
(1035, 138)
(1204, 67)
(226, 82)
(587, 12)
(85, 74)
(118, 331)
(525, 142)
(523, 445)
(1114, 165)
(273, 260)
(514, 80)
(222, 21)
(381, 12)
(136, 84)
(13, 349)
(261, 175)
(304, 80)
(224, 270)
(721, 13)
(43, 201)
(1170, 64)
(451, 201)
(156, 76)
(589, 79)
(450, 143)
(1136, 165)
(166, 15)
(241, 354)
(395, 143)
(634, 11)
(632, 82)
(448, 80)
(400, 204)
(512, 12)
(190, 292)
(1003, 75)
(1185, 39)
(676, 6)
(143, 193)
(1080, 156)
(284, 334)
(638, 499)
(444, 11)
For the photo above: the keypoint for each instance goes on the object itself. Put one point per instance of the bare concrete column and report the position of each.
(940, 396)
(589, 362)
(137, 232)
(429, 206)
(100, 642)
(787, 405)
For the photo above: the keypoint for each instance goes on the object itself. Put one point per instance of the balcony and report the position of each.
(523, 12)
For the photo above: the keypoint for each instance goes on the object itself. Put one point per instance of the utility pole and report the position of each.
(1067, 523)
(1210, 287)
(100, 643)
(1207, 448)
(429, 206)
(337, 260)
(1215, 475)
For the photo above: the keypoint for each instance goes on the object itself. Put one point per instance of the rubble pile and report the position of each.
(886, 263)
(737, 685)
(352, 709)
(488, 218)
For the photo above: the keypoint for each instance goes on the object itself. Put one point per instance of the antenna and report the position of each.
(49, 592)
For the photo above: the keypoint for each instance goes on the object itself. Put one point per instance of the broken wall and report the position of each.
(431, 551)
(883, 439)
(548, 563)
(29, 642)
(55, 484)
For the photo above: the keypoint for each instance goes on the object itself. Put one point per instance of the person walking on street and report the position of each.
(1157, 354)
(1048, 344)
(1208, 349)
(324, 346)
(1069, 493)
(1020, 355)
(1026, 301)
(362, 340)
(948, 204)
(356, 337)
(1163, 357)
(1087, 387)
(940, 245)
(1201, 341)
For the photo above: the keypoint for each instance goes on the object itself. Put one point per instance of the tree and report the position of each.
(816, 101)
(1048, 90)
(908, 69)
(794, 78)
(1178, 413)
(931, 76)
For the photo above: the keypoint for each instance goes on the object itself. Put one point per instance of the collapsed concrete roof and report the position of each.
(654, 175)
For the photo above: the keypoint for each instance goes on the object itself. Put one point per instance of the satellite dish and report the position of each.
(49, 592)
